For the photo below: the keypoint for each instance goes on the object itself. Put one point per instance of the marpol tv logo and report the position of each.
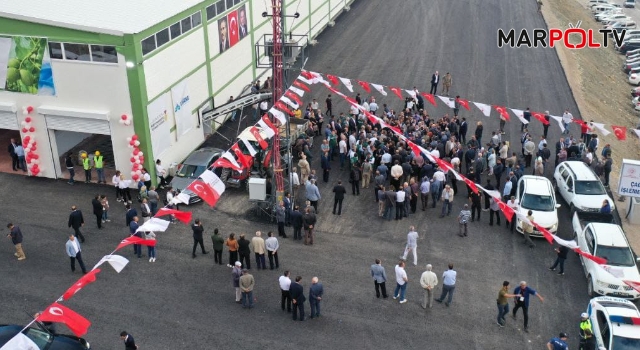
(573, 37)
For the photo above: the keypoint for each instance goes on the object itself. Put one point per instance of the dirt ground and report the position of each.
(601, 91)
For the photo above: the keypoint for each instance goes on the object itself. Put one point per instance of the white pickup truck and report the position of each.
(599, 235)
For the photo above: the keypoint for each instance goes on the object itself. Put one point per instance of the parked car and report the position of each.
(601, 8)
(629, 45)
(192, 167)
(615, 18)
(536, 193)
(615, 323)
(598, 234)
(627, 67)
(630, 3)
(620, 26)
(598, 17)
(580, 187)
(597, 2)
(43, 338)
(634, 79)
(635, 92)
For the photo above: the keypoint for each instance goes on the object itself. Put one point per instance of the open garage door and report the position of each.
(83, 125)
(9, 120)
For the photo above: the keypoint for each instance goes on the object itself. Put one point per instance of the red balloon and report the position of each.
(33, 148)
(133, 160)
(32, 129)
(135, 177)
(27, 119)
(29, 109)
(35, 166)
(141, 159)
(27, 138)
(132, 142)
(34, 143)
(123, 117)
(24, 130)
(134, 137)
(35, 156)
(136, 151)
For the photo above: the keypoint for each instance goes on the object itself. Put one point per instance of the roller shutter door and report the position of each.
(84, 125)
(9, 121)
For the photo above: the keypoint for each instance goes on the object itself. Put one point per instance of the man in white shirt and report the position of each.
(448, 285)
(161, 172)
(386, 158)
(75, 253)
(264, 107)
(567, 118)
(412, 245)
(342, 147)
(315, 106)
(373, 106)
(285, 284)
(401, 283)
(400, 198)
(272, 246)
(428, 281)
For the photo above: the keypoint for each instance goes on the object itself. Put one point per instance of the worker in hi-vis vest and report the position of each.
(98, 162)
(86, 165)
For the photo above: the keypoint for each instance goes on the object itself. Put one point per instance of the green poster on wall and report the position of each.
(25, 65)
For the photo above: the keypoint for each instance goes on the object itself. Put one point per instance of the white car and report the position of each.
(536, 193)
(601, 15)
(615, 323)
(615, 18)
(634, 79)
(598, 235)
(580, 187)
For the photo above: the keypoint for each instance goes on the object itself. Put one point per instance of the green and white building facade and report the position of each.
(83, 65)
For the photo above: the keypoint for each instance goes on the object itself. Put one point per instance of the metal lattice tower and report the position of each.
(277, 83)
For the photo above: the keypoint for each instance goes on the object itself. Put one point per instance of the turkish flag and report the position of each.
(470, 183)
(540, 117)
(205, 192)
(283, 107)
(547, 235)
(393, 128)
(396, 91)
(503, 112)
(61, 314)
(365, 86)
(226, 163)
(244, 159)
(333, 79)
(620, 132)
(293, 96)
(136, 240)
(464, 103)
(89, 278)
(301, 85)
(232, 19)
(444, 165)
(506, 210)
(596, 259)
(256, 134)
(416, 150)
(267, 126)
(184, 216)
(429, 97)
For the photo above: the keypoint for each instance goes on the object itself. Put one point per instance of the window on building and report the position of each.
(220, 7)
(175, 30)
(211, 12)
(235, 2)
(196, 19)
(148, 44)
(100, 53)
(55, 50)
(229, 4)
(186, 24)
(162, 37)
(77, 52)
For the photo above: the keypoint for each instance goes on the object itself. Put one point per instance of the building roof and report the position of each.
(115, 17)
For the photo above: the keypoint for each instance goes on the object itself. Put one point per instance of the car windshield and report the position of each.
(619, 256)
(538, 202)
(589, 187)
(191, 171)
(39, 337)
(622, 343)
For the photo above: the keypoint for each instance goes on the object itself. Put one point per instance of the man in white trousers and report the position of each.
(412, 245)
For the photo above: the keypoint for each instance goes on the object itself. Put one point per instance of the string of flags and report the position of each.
(314, 78)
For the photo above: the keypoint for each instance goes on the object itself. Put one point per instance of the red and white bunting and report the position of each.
(484, 108)
(396, 91)
(447, 100)
(255, 131)
(540, 117)
(380, 89)
(430, 97)
(347, 83)
(290, 103)
(365, 86)
(520, 114)
(249, 147)
(412, 93)
(620, 132)
(278, 114)
(559, 120)
(600, 127)
(333, 79)
(301, 85)
(297, 91)
(637, 132)
(267, 126)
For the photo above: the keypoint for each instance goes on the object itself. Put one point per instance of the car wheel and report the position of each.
(590, 290)
(554, 183)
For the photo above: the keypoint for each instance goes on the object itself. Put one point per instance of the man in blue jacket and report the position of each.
(523, 302)
(315, 296)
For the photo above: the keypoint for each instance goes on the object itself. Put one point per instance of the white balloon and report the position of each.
(133, 173)
(140, 154)
(128, 139)
(138, 172)
(137, 143)
(35, 161)
(24, 123)
(127, 122)
(137, 161)
(28, 149)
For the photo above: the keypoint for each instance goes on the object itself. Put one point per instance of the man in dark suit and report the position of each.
(223, 30)
(326, 166)
(242, 28)
(463, 130)
(296, 222)
(12, 152)
(97, 210)
(130, 214)
(76, 221)
(129, 343)
(339, 191)
(435, 79)
(297, 297)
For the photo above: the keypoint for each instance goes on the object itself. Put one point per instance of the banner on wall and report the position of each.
(181, 107)
(25, 65)
(629, 184)
(159, 125)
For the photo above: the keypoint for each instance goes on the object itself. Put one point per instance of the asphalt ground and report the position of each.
(179, 302)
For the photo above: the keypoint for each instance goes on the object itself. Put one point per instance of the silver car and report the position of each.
(192, 167)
